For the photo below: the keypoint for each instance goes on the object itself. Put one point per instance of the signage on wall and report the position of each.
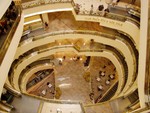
(104, 21)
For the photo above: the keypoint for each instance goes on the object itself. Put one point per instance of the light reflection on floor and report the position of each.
(68, 76)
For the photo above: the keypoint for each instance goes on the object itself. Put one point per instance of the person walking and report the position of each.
(46, 25)
(91, 11)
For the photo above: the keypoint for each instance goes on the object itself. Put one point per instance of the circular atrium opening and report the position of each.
(90, 79)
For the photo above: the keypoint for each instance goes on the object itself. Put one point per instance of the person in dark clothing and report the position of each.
(100, 7)
(2, 28)
(46, 25)
(106, 10)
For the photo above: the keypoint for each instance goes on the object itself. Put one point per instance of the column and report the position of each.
(142, 51)
(44, 17)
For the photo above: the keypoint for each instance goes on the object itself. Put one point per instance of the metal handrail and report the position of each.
(12, 90)
(123, 37)
(5, 107)
(80, 50)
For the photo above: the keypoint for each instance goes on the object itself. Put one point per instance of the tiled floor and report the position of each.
(63, 21)
(25, 104)
(69, 78)
(61, 108)
(66, 21)
(69, 75)
(96, 66)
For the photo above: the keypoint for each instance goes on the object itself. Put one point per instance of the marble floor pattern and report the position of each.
(69, 78)
(97, 64)
(64, 21)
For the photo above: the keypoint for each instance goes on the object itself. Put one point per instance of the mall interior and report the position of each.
(75, 56)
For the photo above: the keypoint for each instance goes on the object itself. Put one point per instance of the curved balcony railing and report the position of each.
(20, 77)
(109, 15)
(14, 65)
(121, 36)
(8, 38)
(114, 16)
(26, 70)
(134, 52)
(92, 33)
(6, 108)
(97, 33)
(79, 49)
(124, 64)
(43, 63)
(30, 39)
(12, 90)
(37, 3)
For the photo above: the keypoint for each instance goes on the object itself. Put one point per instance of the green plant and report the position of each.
(58, 93)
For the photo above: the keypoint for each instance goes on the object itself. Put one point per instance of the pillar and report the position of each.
(44, 17)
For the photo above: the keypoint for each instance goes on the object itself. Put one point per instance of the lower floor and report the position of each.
(77, 78)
